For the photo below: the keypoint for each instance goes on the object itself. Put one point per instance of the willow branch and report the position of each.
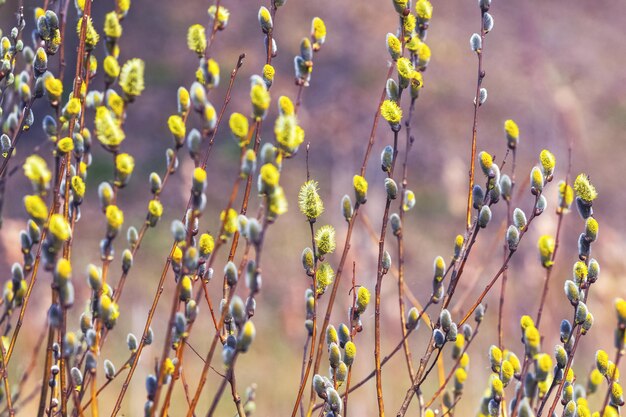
(481, 75)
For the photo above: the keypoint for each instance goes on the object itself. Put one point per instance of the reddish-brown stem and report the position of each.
(205, 290)
(372, 374)
(222, 386)
(560, 213)
(299, 97)
(431, 367)
(370, 143)
(454, 368)
(395, 350)
(175, 376)
(394, 270)
(256, 130)
(400, 239)
(458, 268)
(209, 357)
(236, 398)
(133, 366)
(481, 75)
(546, 281)
(207, 360)
(313, 335)
(47, 364)
(565, 371)
(379, 279)
(270, 34)
(579, 333)
(218, 326)
(167, 345)
(461, 266)
(227, 97)
(305, 349)
(504, 266)
(107, 383)
(94, 398)
(159, 291)
(59, 164)
(16, 137)
(320, 342)
(352, 333)
(5, 380)
(487, 288)
(505, 250)
(29, 369)
(78, 81)
(214, 30)
(346, 247)
(430, 348)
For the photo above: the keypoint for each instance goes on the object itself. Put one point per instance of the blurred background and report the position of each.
(555, 67)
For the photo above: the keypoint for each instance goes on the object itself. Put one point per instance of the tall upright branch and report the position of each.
(381, 271)
(479, 81)
(346, 249)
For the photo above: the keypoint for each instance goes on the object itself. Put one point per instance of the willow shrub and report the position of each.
(83, 122)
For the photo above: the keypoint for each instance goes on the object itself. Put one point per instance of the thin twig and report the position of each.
(560, 214)
(565, 371)
(504, 266)
(505, 249)
(400, 239)
(5, 380)
(17, 136)
(379, 278)
(346, 247)
(454, 367)
(353, 331)
(384, 360)
(160, 287)
(313, 334)
(481, 75)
